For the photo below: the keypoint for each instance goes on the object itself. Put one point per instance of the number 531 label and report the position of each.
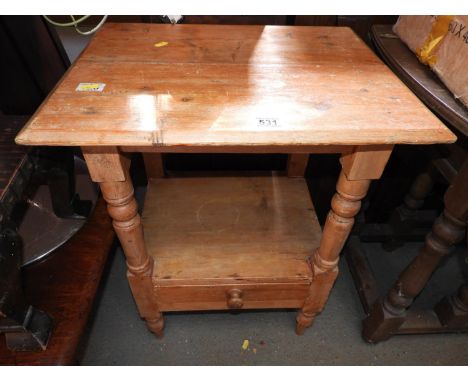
(268, 122)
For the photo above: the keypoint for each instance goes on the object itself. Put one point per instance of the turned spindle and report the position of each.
(387, 315)
(346, 203)
(110, 169)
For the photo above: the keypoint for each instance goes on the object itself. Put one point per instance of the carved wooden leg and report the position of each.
(453, 311)
(154, 165)
(297, 164)
(419, 190)
(359, 166)
(405, 217)
(109, 169)
(345, 205)
(387, 316)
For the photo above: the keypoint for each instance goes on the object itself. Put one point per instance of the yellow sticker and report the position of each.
(160, 44)
(90, 87)
(245, 344)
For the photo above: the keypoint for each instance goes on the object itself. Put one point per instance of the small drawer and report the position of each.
(231, 296)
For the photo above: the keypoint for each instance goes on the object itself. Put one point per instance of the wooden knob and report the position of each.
(234, 299)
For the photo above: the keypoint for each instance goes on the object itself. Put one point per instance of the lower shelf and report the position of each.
(212, 235)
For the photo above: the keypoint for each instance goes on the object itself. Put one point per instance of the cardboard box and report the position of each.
(442, 43)
(414, 30)
(451, 58)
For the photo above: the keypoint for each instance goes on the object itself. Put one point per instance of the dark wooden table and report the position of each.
(392, 314)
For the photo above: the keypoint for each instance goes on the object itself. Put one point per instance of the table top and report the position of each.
(420, 78)
(180, 86)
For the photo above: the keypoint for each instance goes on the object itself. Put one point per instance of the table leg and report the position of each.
(359, 167)
(110, 169)
(387, 315)
(297, 165)
(452, 311)
(154, 165)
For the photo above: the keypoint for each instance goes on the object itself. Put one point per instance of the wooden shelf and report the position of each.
(209, 234)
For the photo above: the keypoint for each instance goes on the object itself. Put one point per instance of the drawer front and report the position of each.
(231, 296)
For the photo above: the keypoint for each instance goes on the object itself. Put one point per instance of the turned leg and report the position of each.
(387, 315)
(404, 217)
(297, 164)
(108, 167)
(420, 188)
(345, 205)
(359, 167)
(453, 311)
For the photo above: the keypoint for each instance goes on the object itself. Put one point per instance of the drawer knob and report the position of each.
(234, 299)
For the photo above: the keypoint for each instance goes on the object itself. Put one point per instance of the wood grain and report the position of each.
(229, 86)
(106, 164)
(110, 166)
(210, 235)
(345, 205)
(366, 162)
(230, 230)
(214, 297)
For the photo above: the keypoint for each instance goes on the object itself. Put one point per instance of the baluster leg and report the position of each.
(387, 315)
(359, 167)
(108, 167)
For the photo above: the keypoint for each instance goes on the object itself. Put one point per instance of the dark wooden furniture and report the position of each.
(41, 303)
(25, 326)
(32, 61)
(229, 242)
(392, 314)
(51, 298)
(13, 158)
(64, 286)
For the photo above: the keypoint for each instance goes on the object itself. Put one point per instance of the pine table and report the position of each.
(231, 242)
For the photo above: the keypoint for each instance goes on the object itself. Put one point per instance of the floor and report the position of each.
(117, 336)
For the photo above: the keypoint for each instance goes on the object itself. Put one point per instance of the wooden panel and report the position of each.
(230, 230)
(236, 20)
(213, 297)
(106, 164)
(326, 149)
(227, 86)
(321, 20)
(366, 162)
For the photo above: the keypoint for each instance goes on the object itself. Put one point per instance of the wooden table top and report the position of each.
(180, 86)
